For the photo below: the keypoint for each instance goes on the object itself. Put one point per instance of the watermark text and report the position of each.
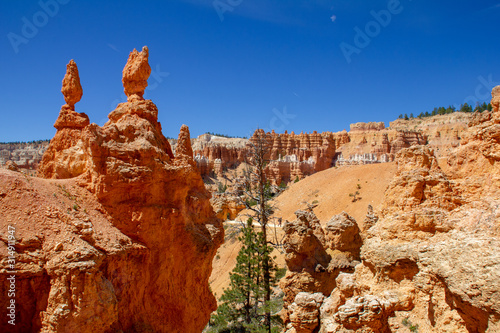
(11, 278)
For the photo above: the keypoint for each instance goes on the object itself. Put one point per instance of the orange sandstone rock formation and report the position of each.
(126, 243)
(213, 153)
(136, 74)
(495, 101)
(299, 155)
(429, 257)
(65, 157)
(72, 89)
(373, 126)
(184, 143)
(227, 205)
(314, 257)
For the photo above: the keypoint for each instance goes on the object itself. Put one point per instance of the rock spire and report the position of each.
(136, 74)
(71, 87)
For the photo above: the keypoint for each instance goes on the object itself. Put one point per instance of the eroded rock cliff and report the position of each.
(121, 238)
(429, 261)
(315, 256)
(296, 156)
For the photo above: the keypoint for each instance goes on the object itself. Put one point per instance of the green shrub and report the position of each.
(251, 202)
(280, 273)
(221, 188)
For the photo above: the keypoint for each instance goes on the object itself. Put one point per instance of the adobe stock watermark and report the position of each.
(11, 277)
(222, 6)
(372, 29)
(482, 91)
(155, 79)
(280, 120)
(30, 27)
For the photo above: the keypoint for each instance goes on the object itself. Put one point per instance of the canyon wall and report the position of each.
(295, 156)
(119, 234)
(26, 155)
(298, 155)
(214, 154)
(428, 260)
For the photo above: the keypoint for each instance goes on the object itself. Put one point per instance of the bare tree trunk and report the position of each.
(260, 159)
(261, 211)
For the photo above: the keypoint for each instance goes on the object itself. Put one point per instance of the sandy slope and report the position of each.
(331, 189)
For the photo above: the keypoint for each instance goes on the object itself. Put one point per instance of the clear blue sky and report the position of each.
(228, 76)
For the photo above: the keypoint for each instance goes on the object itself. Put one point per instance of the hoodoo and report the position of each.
(120, 236)
(65, 157)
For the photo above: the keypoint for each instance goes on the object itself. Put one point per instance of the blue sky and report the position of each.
(230, 66)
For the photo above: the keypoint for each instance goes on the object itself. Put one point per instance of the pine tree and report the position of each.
(450, 109)
(259, 191)
(483, 107)
(465, 108)
(239, 303)
(247, 305)
(242, 307)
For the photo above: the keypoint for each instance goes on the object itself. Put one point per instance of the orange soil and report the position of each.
(331, 189)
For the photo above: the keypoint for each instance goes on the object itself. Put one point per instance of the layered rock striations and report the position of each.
(371, 144)
(123, 243)
(429, 260)
(214, 154)
(296, 156)
(443, 132)
(26, 155)
(299, 155)
(290, 155)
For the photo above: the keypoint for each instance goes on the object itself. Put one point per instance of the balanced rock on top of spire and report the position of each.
(136, 74)
(72, 91)
(65, 156)
(71, 87)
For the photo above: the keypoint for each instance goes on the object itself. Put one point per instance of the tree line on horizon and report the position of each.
(24, 142)
(465, 107)
(226, 136)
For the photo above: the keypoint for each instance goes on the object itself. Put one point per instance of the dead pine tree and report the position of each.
(257, 194)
